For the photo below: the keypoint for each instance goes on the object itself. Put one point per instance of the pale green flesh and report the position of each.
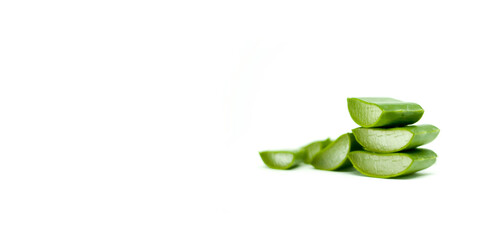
(378, 140)
(334, 155)
(313, 148)
(282, 159)
(366, 114)
(278, 159)
(386, 165)
(382, 165)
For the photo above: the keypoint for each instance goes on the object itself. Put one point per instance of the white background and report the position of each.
(143, 119)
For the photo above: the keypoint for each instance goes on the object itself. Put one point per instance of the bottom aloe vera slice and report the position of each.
(315, 147)
(386, 165)
(282, 159)
(335, 155)
(387, 140)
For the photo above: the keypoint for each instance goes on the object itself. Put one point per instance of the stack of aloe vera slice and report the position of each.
(384, 146)
(389, 142)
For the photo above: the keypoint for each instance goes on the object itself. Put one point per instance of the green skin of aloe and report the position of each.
(383, 112)
(283, 159)
(387, 165)
(334, 156)
(313, 148)
(389, 140)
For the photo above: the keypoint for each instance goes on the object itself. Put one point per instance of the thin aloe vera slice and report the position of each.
(383, 112)
(282, 159)
(386, 165)
(334, 156)
(388, 140)
(315, 147)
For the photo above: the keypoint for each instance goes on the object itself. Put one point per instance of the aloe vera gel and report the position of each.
(335, 155)
(313, 148)
(282, 159)
(384, 146)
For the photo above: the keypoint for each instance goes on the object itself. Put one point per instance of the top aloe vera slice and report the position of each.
(283, 159)
(313, 148)
(388, 140)
(383, 112)
(386, 165)
(335, 155)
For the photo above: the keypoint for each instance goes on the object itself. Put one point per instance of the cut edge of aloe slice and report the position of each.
(334, 156)
(313, 148)
(370, 114)
(365, 120)
(397, 140)
(389, 140)
(388, 165)
(281, 159)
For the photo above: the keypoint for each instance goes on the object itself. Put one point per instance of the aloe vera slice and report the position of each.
(334, 156)
(383, 112)
(386, 165)
(388, 140)
(282, 159)
(315, 147)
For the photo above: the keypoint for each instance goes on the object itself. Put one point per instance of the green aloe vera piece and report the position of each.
(383, 112)
(386, 165)
(283, 159)
(334, 156)
(313, 148)
(388, 140)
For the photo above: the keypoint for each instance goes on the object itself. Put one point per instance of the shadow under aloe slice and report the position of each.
(387, 165)
(388, 140)
(282, 159)
(313, 148)
(383, 112)
(335, 155)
